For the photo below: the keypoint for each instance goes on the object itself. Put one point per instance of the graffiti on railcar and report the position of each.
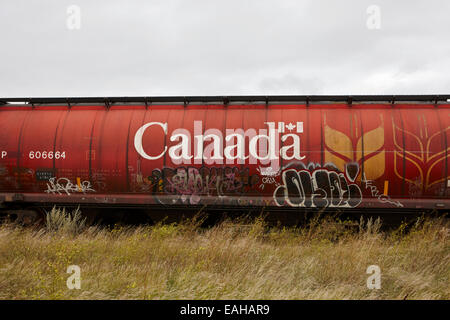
(269, 176)
(317, 187)
(99, 179)
(369, 184)
(194, 185)
(64, 185)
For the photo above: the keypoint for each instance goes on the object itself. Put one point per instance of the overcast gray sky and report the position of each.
(228, 47)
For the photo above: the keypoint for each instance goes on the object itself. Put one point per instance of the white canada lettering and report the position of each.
(180, 153)
(138, 140)
(210, 147)
(295, 146)
(238, 146)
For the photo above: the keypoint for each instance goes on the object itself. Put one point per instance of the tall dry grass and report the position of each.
(60, 220)
(233, 260)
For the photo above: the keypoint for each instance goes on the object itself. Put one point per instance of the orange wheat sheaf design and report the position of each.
(341, 149)
(423, 166)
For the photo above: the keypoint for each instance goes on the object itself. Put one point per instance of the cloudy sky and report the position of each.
(228, 47)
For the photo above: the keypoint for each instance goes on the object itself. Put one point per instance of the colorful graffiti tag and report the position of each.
(191, 185)
(319, 187)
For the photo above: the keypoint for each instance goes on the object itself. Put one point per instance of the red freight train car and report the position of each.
(279, 151)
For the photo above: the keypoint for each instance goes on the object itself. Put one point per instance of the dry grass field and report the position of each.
(326, 259)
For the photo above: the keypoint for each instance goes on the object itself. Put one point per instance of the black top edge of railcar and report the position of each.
(227, 99)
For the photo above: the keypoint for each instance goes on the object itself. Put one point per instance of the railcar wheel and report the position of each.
(27, 217)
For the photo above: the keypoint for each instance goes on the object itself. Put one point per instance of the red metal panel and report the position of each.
(443, 114)
(109, 143)
(363, 155)
(420, 152)
(156, 142)
(135, 180)
(73, 142)
(11, 122)
(37, 154)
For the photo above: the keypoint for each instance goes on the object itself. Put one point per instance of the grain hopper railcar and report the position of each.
(279, 152)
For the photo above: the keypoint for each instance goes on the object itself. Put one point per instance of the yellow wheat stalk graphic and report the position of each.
(369, 150)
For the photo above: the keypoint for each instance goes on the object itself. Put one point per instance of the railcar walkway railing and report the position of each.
(306, 99)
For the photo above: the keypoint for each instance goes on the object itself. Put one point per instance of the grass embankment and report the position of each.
(233, 260)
